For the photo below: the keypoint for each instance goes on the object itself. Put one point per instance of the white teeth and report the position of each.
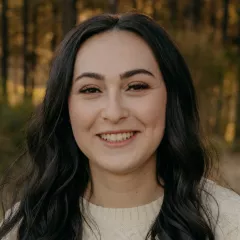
(117, 137)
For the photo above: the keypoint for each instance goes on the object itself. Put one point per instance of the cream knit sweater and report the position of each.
(134, 223)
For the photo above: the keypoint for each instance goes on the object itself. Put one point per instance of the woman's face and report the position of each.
(117, 102)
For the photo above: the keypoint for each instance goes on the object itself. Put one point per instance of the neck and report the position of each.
(124, 191)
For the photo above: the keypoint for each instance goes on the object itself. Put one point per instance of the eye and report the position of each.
(137, 86)
(89, 90)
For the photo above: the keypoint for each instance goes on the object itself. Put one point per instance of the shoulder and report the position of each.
(228, 201)
(225, 207)
(12, 235)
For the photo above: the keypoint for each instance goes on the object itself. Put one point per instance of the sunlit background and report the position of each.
(207, 33)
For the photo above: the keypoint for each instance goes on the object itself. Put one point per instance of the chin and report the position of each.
(119, 167)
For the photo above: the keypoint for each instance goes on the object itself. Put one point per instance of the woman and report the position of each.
(116, 146)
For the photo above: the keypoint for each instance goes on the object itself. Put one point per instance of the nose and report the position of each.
(114, 109)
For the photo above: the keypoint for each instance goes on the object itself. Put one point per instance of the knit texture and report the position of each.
(134, 223)
(119, 223)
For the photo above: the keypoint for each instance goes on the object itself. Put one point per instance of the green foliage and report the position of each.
(12, 130)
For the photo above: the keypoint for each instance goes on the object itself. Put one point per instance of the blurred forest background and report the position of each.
(207, 33)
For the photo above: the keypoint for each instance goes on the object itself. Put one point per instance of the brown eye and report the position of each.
(89, 90)
(138, 86)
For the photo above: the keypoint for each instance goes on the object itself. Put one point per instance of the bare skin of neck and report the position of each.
(132, 189)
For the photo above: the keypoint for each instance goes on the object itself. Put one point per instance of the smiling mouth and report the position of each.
(117, 137)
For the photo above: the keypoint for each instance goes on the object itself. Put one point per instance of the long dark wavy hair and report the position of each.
(49, 206)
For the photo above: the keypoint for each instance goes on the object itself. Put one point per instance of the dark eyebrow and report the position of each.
(90, 75)
(124, 75)
(133, 72)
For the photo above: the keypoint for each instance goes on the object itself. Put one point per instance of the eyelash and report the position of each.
(135, 87)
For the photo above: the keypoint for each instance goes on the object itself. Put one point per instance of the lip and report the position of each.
(117, 131)
(118, 144)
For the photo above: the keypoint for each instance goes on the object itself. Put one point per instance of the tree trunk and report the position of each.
(154, 10)
(213, 11)
(218, 130)
(54, 26)
(69, 15)
(34, 45)
(213, 17)
(197, 6)
(134, 4)
(25, 46)
(237, 133)
(113, 6)
(225, 20)
(4, 47)
(173, 8)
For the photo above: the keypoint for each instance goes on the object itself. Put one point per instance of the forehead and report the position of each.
(114, 52)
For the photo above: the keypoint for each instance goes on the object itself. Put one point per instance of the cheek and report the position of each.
(81, 115)
(153, 110)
